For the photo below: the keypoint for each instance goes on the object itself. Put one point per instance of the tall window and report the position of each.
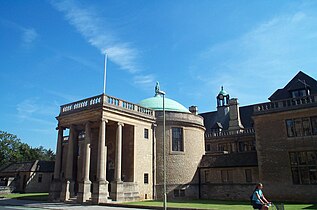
(305, 126)
(248, 175)
(207, 176)
(304, 167)
(226, 176)
(146, 133)
(40, 177)
(177, 139)
(146, 178)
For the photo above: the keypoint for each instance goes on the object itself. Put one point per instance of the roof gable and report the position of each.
(300, 81)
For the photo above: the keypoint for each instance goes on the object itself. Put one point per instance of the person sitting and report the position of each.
(258, 199)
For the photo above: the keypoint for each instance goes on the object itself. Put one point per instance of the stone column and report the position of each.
(100, 188)
(118, 161)
(84, 187)
(68, 185)
(58, 161)
(117, 185)
(55, 187)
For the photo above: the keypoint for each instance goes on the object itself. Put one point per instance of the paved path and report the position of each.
(10, 204)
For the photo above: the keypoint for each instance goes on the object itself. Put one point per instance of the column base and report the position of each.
(117, 191)
(55, 190)
(100, 192)
(65, 194)
(84, 193)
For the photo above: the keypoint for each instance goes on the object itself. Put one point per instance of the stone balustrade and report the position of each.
(285, 104)
(229, 133)
(103, 100)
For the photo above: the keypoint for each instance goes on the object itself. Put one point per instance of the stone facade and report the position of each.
(28, 177)
(186, 158)
(274, 147)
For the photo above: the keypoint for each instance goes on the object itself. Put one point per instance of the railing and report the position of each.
(229, 133)
(127, 105)
(104, 100)
(285, 104)
(89, 102)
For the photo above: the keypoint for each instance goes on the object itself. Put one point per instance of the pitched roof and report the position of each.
(300, 81)
(40, 166)
(212, 119)
(229, 160)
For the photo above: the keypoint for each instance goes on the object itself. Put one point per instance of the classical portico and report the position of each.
(98, 143)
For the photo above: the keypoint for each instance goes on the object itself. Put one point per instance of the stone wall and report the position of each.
(273, 147)
(181, 166)
(226, 191)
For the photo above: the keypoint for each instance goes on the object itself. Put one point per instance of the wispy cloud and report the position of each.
(31, 110)
(28, 35)
(266, 57)
(146, 81)
(90, 25)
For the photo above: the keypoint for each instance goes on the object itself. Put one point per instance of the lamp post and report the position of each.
(162, 93)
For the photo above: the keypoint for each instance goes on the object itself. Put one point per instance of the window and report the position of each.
(225, 147)
(146, 178)
(40, 177)
(177, 139)
(299, 93)
(245, 146)
(146, 133)
(208, 147)
(304, 167)
(248, 175)
(207, 176)
(314, 125)
(305, 126)
(226, 176)
(179, 193)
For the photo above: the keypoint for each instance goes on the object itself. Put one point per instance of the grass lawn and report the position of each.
(214, 204)
(28, 196)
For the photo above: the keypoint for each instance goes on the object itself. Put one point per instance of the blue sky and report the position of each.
(51, 54)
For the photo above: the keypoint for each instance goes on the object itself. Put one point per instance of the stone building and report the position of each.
(274, 143)
(28, 177)
(286, 141)
(111, 149)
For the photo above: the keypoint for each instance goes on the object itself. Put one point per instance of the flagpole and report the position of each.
(105, 74)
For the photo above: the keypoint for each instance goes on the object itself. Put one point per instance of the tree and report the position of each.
(13, 150)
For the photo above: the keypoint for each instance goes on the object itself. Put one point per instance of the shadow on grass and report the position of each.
(314, 206)
(29, 196)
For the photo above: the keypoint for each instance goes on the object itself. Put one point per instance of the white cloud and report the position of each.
(145, 81)
(29, 35)
(89, 25)
(32, 110)
(263, 59)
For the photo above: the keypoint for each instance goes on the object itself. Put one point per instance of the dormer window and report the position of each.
(300, 93)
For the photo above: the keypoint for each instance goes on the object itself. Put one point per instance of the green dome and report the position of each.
(222, 92)
(156, 103)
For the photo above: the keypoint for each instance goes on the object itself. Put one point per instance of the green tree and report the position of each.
(13, 150)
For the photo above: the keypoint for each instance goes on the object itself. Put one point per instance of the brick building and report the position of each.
(274, 143)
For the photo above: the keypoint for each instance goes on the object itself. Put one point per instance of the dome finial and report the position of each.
(157, 88)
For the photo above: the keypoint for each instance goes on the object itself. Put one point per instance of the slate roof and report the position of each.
(244, 159)
(40, 166)
(212, 118)
(298, 82)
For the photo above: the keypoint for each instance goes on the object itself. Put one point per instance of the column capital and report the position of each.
(104, 120)
(120, 124)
